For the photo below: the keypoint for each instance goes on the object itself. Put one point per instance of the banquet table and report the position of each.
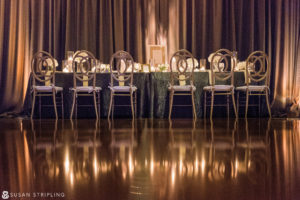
(152, 95)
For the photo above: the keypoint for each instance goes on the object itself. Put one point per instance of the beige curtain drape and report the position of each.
(105, 26)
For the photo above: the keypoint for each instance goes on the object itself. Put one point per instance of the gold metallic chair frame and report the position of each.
(221, 74)
(44, 59)
(121, 56)
(262, 73)
(227, 72)
(182, 66)
(85, 58)
(182, 74)
(258, 69)
(121, 77)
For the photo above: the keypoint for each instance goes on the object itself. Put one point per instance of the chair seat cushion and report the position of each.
(122, 88)
(43, 88)
(257, 88)
(218, 88)
(182, 88)
(88, 89)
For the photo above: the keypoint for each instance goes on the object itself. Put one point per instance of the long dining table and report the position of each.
(152, 95)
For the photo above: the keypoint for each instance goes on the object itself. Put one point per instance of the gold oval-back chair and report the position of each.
(43, 82)
(221, 79)
(182, 78)
(121, 80)
(83, 63)
(257, 78)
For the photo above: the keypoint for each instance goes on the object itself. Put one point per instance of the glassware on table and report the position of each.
(234, 60)
(202, 64)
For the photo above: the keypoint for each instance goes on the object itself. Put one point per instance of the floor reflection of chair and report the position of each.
(221, 150)
(85, 133)
(123, 142)
(83, 156)
(41, 138)
(182, 146)
(45, 145)
(122, 136)
(255, 147)
(182, 137)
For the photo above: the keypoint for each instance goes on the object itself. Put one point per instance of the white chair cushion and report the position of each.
(122, 88)
(182, 88)
(88, 89)
(219, 88)
(257, 88)
(42, 88)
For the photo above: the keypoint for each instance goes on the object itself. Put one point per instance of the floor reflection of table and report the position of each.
(152, 94)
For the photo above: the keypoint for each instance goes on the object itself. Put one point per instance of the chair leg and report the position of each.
(135, 104)
(234, 106)
(40, 107)
(33, 103)
(73, 105)
(95, 104)
(193, 102)
(131, 103)
(110, 104)
(227, 101)
(259, 101)
(204, 104)
(171, 103)
(62, 105)
(54, 102)
(247, 102)
(212, 104)
(237, 102)
(268, 103)
(98, 100)
(113, 107)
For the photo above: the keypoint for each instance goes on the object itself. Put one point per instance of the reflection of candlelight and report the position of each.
(72, 178)
(202, 166)
(196, 166)
(130, 164)
(151, 167)
(180, 166)
(173, 175)
(95, 165)
(67, 163)
(236, 167)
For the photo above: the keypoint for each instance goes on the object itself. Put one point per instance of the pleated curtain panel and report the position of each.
(105, 26)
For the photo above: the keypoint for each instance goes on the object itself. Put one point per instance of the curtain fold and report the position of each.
(103, 27)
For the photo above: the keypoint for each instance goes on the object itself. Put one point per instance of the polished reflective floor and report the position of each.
(150, 159)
